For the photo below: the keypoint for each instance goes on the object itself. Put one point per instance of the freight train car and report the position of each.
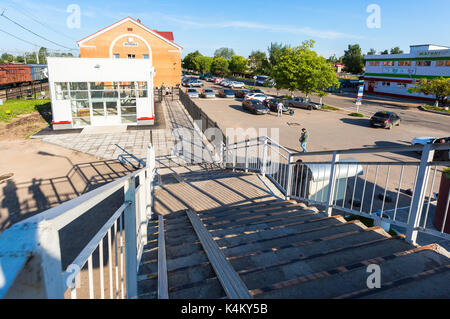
(38, 72)
(14, 74)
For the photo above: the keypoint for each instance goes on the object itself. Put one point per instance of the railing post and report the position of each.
(264, 157)
(419, 194)
(234, 157)
(331, 184)
(130, 238)
(247, 145)
(289, 178)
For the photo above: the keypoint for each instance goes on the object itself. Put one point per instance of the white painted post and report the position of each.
(331, 184)
(246, 155)
(419, 194)
(130, 238)
(289, 177)
(234, 157)
(264, 157)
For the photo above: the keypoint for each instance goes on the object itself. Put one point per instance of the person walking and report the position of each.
(280, 108)
(304, 140)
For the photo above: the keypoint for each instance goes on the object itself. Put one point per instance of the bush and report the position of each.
(435, 108)
(331, 108)
(356, 115)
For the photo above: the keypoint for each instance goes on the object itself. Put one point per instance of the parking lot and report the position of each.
(329, 130)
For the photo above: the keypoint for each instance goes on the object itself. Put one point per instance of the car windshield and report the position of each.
(192, 91)
(208, 91)
(383, 115)
(259, 106)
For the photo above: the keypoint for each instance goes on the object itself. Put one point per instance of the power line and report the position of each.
(12, 35)
(4, 16)
(25, 12)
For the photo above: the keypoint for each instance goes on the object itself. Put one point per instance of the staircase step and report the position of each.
(324, 259)
(302, 230)
(252, 205)
(208, 289)
(432, 284)
(345, 280)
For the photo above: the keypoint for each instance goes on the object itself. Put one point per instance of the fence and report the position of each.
(31, 91)
(31, 251)
(197, 115)
(397, 192)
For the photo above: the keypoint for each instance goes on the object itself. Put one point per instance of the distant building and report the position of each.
(130, 39)
(339, 67)
(396, 74)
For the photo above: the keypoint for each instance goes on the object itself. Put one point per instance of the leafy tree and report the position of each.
(203, 63)
(258, 63)
(7, 58)
(385, 52)
(219, 66)
(189, 62)
(238, 64)
(372, 52)
(439, 87)
(225, 53)
(43, 55)
(300, 68)
(275, 50)
(396, 50)
(353, 59)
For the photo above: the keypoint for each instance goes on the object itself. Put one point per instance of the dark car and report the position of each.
(272, 104)
(255, 107)
(228, 93)
(304, 103)
(385, 119)
(256, 91)
(241, 93)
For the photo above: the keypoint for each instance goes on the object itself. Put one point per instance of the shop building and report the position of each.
(396, 74)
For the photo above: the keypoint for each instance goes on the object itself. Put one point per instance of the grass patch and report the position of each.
(446, 172)
(330, 108)
(12, 108)
(356, 115)
(435, 108)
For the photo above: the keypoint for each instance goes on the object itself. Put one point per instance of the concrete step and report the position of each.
(345, 280)
(326, 258)
(258, 217)
(208, 289)
(281, 221)
(305, 231)
(433, 284)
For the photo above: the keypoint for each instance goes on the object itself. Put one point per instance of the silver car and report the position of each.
(193, 93)
(237, 85)
(208, 94)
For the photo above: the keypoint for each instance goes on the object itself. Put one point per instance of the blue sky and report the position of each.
(241, 25)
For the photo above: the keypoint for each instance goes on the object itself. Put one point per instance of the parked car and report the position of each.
(227, 83)
(272, 104)
(439, 155)
(237, 85)
(256, 91)
(208, 93)
(304, 103)
(255, 106)
(195, 83)
(256, 96)
(385, 119)
(227, 93)
(241, 93)
(193, 93)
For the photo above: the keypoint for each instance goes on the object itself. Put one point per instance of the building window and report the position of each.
(402, 85)
(423, 63)
(404, 63)
(374, 63)
(386, 84)
(131, 56)
(145, 56)
(130, 29)
(388, 63)
(116, 56)
(62, 91)
(443, 63)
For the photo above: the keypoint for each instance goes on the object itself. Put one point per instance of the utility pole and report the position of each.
(37, 54)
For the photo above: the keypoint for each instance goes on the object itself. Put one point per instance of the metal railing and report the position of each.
(399, 192)
(31, 251)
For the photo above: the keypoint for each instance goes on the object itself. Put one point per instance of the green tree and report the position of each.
(219, 66)
(238, 64)
(353, 59)
(396, 50)
(43, 55)
(7, 58)
(190, 62)
(275, 51)
(225, 53)
(301, 68)
(372, 52)
(203, 63)
(439, 87)
(385, 52)
(258, 63)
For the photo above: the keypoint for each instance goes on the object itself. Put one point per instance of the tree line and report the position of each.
(31, 57)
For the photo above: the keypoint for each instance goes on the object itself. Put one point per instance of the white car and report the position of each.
(237, 85)
(193, 93)
(256, 96)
